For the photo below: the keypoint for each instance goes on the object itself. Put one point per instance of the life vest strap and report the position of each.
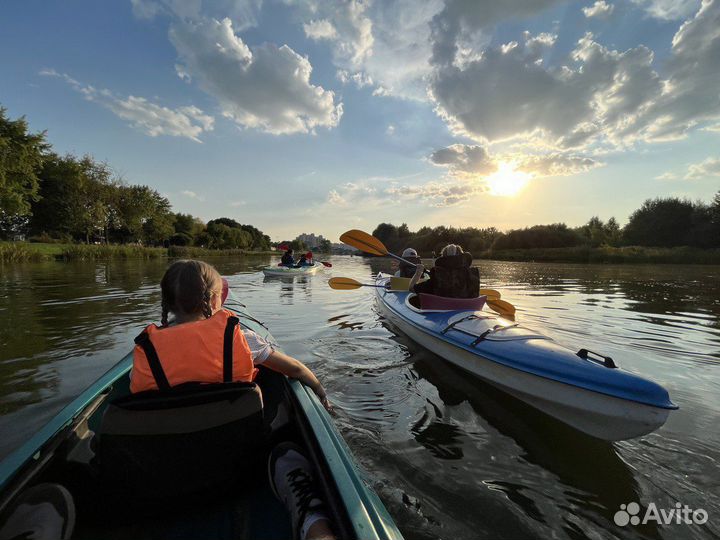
(143, 340)
(232, 322)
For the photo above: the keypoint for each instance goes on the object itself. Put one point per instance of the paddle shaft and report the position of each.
(406, 261)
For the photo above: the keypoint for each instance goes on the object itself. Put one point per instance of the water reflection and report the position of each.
(450, 456)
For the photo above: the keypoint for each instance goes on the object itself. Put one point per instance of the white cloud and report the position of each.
(690, 97)
(146, 116)
(668, 10)
(600, 9)
(390, 130)
(237, 204)
(705, 169)
(335, 199)
(598, 95)
(389, 42)
(320, 29)
(667, 176)
(360, 78)
(346, 24)
(192, 195)
(509, 93)
(266, 88)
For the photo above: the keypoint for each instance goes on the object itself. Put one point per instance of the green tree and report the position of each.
(21, 156)
(188, 224)
(76, 198)
(325, 246)
(660, 223)
(221, 236)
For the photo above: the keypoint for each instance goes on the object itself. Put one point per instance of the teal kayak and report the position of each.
(66, 450)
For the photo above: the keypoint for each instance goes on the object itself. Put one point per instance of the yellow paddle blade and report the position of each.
(506, 309)
(491, 294)
(344, 283)
(399, 283)
(364, 242)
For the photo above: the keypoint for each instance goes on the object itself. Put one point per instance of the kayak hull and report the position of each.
(282, 271)
(593, 412)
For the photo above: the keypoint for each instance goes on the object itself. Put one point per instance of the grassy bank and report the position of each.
(192, 252)
(35, 252)
(609, 255)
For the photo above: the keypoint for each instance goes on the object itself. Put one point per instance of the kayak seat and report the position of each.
(193, 438)
(443, 303)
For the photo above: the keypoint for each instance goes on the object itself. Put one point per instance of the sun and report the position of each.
(506, 181)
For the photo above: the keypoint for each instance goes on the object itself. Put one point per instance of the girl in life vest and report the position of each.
(205, 343)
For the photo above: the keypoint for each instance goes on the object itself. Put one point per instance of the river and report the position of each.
(450, 456)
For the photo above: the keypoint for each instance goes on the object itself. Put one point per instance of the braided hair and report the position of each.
(187, 288)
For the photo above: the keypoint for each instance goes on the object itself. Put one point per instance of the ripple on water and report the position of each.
(450, 456)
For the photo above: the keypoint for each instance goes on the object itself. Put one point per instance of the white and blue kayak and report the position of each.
(582, 389)
(286, 271)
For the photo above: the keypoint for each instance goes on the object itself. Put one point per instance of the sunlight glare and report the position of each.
(506, 181)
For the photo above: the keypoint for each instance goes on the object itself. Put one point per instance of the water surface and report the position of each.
(450, 456)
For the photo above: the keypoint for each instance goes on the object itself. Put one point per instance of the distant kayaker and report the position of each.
(287, 258)
(192, 292)
(408, 270)
(304, 262)
(452, 276)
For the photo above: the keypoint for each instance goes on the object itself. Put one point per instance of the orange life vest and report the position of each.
(213, 350)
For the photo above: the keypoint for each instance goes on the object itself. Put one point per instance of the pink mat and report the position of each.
(430, 301)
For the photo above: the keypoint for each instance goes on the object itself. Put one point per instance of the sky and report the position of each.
(325, 115)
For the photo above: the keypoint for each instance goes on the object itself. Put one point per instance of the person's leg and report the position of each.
(293, 483)
(43, 512)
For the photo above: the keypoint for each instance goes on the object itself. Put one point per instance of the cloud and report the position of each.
(192, 195)
(243, 13)
(705, 169)
(237, 204)
(463, 159)
(474, 161)
(360, 78)
(390, 130)
(335, 199)
(556, 164)
(509, 93)
(346, 24)
(320, 29)
(668, 10)
(460, 23)
(150, 118)
(667, 176)
(689, 97)
(600, 9)
(389, 42)
(266, 87)
(438, 194)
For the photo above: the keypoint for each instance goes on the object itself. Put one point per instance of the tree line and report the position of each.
(49, 197)
(661, 222)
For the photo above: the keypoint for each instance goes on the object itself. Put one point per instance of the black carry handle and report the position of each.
(607, 361)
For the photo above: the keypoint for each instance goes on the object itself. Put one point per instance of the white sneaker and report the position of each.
(293, 483)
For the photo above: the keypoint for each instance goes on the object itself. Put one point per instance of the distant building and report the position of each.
(312, 241)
